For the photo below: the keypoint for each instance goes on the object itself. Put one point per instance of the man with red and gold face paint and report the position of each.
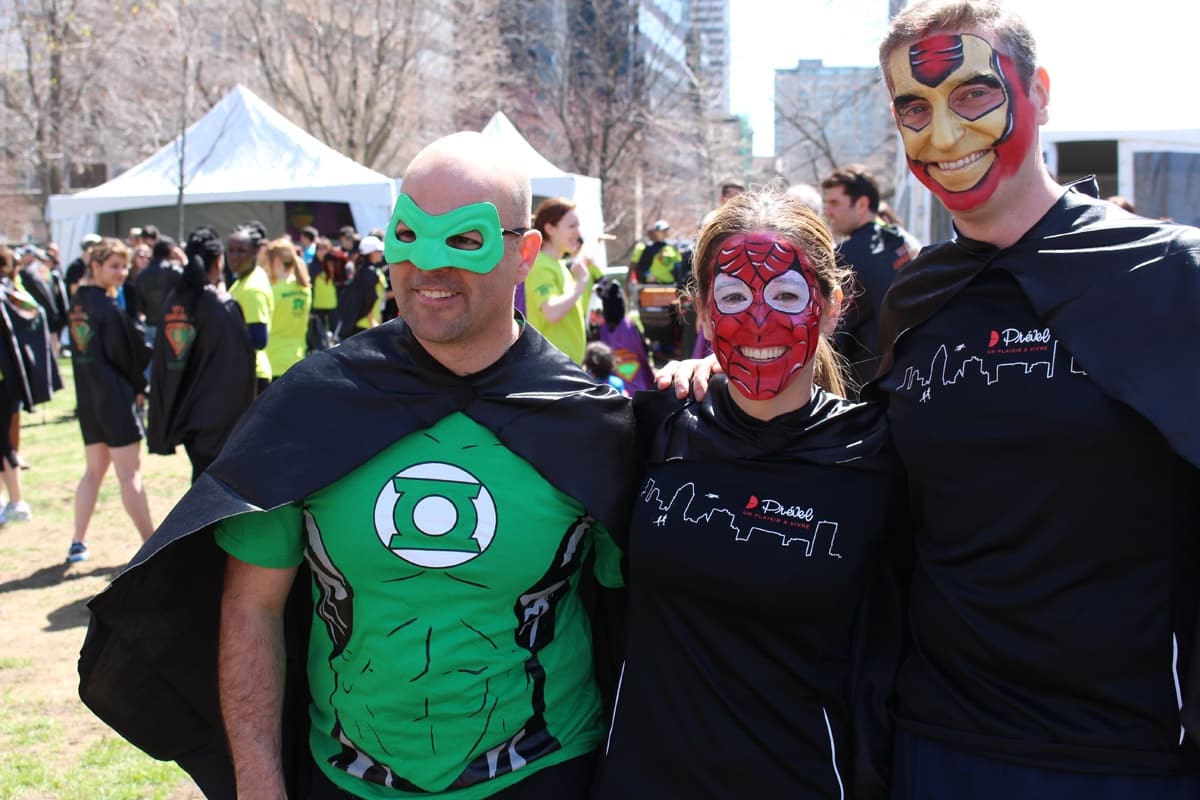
(1039, 373)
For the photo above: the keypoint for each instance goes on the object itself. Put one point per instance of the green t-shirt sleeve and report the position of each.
(608, 558)
(541, 285)
(273, 539)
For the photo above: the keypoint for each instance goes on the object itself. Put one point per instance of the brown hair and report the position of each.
(6, 262)
(106, 247)
(550, 212)
(285, 251)
(918, 21)
(856, 182)
(774, 210)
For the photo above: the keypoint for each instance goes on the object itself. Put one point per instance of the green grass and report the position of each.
(108, 768)
(50, 441)
(51, 747)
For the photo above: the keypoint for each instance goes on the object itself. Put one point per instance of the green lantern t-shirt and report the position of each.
(450, 652)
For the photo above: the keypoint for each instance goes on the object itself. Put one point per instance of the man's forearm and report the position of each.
(251, 680)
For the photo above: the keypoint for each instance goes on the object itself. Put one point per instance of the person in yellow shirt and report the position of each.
(556, 294)
(656, 260)
(328, 275)
(359, 305)
(252, 291)
(293, 301)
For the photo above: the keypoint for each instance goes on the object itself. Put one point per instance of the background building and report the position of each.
(710, 24)
(827, 117)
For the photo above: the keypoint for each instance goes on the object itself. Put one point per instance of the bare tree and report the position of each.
(350, 72)
(605, 91)
(816, 145)
(56, 54)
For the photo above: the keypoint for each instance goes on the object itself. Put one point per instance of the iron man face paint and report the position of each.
(964, 115)
(765, 308)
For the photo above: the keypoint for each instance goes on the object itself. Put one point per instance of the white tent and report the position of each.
(1157, 169)
(241, 151)
(550, 181)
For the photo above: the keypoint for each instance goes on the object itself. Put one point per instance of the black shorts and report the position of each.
(120, 430)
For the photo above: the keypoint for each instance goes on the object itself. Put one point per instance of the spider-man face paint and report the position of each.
(964, 115)
(766, 312)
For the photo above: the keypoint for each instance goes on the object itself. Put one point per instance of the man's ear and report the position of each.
(863, 206)
(1039, 94)
(527, 248)
(831, 315)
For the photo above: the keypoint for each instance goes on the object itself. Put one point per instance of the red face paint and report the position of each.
(965, 116)
(766, 312)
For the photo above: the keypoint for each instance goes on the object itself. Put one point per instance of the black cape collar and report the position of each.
(827, 430)
(1121, 291)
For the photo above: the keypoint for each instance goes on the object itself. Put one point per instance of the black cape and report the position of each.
(201, 373)
(27, 361)
(356, 298)
(1121, 291)
(148, 664)
(109, 356)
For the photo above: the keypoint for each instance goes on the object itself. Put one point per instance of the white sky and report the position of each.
(1112, 66)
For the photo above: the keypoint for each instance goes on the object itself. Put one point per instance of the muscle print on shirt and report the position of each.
(433, 518)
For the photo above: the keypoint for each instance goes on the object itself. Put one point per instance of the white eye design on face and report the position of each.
(787, 292)
(730, 294)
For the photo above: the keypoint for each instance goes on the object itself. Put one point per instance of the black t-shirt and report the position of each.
(874, 252)
(747, 579)
(1053, 601)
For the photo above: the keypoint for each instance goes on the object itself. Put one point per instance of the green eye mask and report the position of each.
(430, 249)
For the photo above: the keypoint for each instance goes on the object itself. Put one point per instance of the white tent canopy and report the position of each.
(241, 151)
(550, 181)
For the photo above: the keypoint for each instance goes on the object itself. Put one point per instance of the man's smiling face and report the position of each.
(964, 115)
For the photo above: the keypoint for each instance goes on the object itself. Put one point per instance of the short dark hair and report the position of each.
(310, 232)
(162, 249)
(857, 182)
(150, 232)
(598, 360)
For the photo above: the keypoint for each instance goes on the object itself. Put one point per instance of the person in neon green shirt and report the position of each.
(252, 291)
(328, 275)
(656, 260)
(556, 296)
(293, 301)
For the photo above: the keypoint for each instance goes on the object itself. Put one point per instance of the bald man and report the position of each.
(435, 644)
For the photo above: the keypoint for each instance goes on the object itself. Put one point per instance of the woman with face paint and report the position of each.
(763, 623)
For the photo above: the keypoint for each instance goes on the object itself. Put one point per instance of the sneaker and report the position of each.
(18, 512)
(77, 553)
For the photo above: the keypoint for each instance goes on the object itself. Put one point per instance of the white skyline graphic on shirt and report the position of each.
(940, 374)
(686, 494)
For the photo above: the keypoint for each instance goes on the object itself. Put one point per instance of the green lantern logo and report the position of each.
(435, 515)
